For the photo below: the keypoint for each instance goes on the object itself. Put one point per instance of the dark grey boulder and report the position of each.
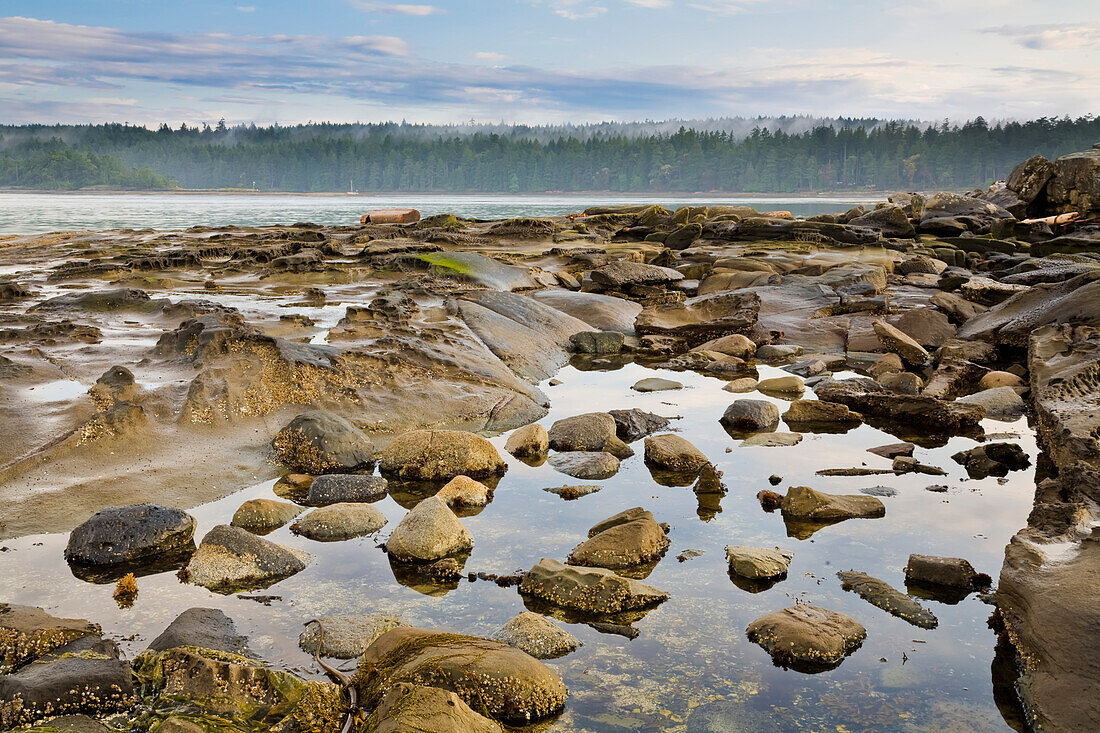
(635, 424)
(596, 342)
(750, 416)
(207, 628)
(130, 534)
(338, 488)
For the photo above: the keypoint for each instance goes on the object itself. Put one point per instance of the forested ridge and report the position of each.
(841, 155)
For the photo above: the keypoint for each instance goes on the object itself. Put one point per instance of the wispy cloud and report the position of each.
(396, 8)
(246, 8)
(1054, 37)
(490, 56)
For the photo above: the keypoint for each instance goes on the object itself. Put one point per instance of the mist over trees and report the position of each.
(781, 155)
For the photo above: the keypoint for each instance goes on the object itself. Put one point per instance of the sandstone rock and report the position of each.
(1075, 185)
(740, 386)
(791, 385)
(959, 309)
(992, 380)
(438, 455)
(622, 545)
(673, 453)
(999, 403)
(901, 382)
(953, 214)
(341, 521)
(463, 491)
(429, 531)
(1012, 321)
(343, 488)
(588, 432)
(1028, 179)
(758, 563)
(881, 594)
(992, 459)
(346, 636)
(802, 412)
(569, 493)
(890, 221)
(807, 638)
(130, 534)
(507, 683)
(530, 441)
(749, 416)
(597, 342)
(261, 516)
(230, 558)
(709, 481)
(735, 344)
(772, 353)
(319, 442)
(703, 318)
(537, 635)
(900, 343)
(405, 708)
(806, 504)
(588, 590)
(27, 632)
(772, 440)
(655, 384)
(585, 465)
(874, 401)
(623, 273)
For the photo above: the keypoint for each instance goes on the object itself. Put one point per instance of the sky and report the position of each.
(543, 61)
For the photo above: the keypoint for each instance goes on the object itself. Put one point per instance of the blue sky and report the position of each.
(146, 61)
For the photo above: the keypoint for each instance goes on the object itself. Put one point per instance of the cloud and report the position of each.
(573, 9)
(650, 3)
(491, 56)
(1051, 37)
(397, 8)
(726, 7)
(246, 8)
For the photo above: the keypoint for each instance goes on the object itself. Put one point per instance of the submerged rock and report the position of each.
(819, 412)
(750, 416)
(952, 572)
(505, 682)
(592, 431)
(530, 441)
(999, 403)
(321, 442)
(585, 465)
(992, 459)
(655, 384)
(537, 635)
(807, 638)
(130, 534)
(346, 636)
(806, 504)
(622, 544)
(588, 590)
(438, 455)
(463, 491)
(881, 594)
(230, 559)
(429, 531)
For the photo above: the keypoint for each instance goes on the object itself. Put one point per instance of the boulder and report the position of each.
(321, 442)
(995, 379)
(440, 455)
(1011, 322)
(503, 681)
(952, 214)
(805, 504)
(344, 488)
(709, 481)
(655, 384)
(624, 273)
(758, 563)
(952, 572)
(772, 440)
(537, 635)
(341, 521)
(601, 312)
(207, 628)
(429, 531)
(585, 465)
(874, 401)
(530, 441)
(261, 516)
(958, 309)
(131, 534)
(811, 412)
(1075, 185)
(231, 558)
(591, 431)
(750, 416)
(595, 591)
(807, 638)
(999, 403)
(900, 343)
(741, 386)
(634, 424)
(597, 342)
(28, 632)
(901, 382)
(890, 221)
(463, 491)
(1029, 178)
(735, 344)
(683, 237)
(703, 318)
(673, 453)
(86, 676)
(406, 708)
(345, 636)
(786, 386)
(992, 459)
(624, 545)
(987, 291)
(882, 594)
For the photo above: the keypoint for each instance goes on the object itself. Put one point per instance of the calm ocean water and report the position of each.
(31, 213)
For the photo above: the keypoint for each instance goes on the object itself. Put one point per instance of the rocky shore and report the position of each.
(144, 373)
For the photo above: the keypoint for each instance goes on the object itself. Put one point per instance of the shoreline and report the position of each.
(867, 195)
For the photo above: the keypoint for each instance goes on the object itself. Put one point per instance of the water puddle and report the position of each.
(690, 667)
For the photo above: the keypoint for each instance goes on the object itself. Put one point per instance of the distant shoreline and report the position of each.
(860, 195)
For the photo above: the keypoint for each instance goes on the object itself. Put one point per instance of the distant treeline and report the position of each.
(842, 155)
